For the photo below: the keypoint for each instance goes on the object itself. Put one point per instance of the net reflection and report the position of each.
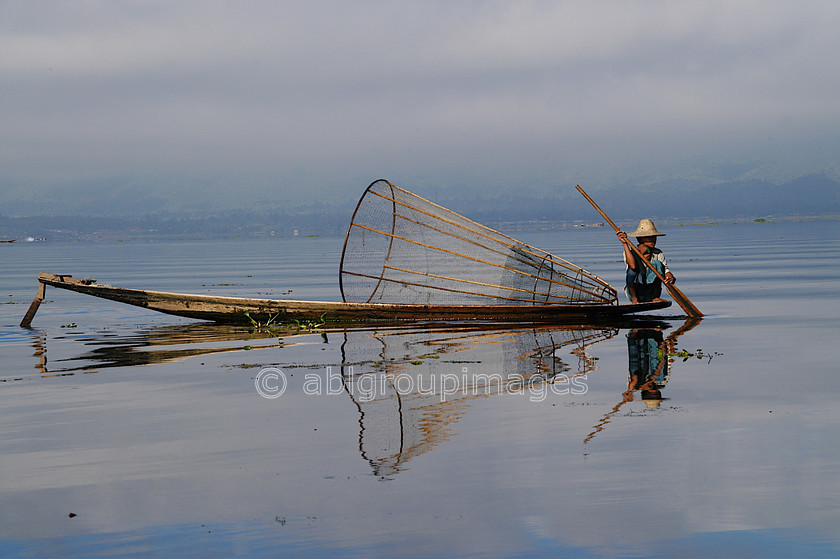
(411, 387)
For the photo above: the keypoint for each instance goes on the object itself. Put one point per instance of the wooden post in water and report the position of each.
(33, 308)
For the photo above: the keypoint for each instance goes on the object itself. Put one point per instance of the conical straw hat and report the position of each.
(646, 228)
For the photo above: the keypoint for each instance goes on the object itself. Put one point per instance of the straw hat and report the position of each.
(646, 228)
(652, 398)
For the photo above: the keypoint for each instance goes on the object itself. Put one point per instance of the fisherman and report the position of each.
(641, 283)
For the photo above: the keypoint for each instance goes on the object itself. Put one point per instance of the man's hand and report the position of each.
(670, 279)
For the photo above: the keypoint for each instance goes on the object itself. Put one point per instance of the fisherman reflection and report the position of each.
(649, 368)
(649, 365)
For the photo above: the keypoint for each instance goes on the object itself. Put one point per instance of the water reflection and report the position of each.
(649, 367)
(158, 345)
(412, 384)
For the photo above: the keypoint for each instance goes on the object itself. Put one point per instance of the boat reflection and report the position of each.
(165, 344)
(412, 384)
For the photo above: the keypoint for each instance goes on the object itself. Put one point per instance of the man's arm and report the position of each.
(629, 257)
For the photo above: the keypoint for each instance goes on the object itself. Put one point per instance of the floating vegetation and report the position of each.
(271, 324)
(698, 354)
(274, 324)
(312, 324)
(71, 325)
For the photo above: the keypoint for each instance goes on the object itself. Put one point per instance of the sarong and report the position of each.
(644, 282)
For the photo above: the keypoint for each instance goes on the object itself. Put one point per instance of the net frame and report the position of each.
(419, 253)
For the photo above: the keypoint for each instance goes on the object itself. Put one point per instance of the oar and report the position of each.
(677, 295)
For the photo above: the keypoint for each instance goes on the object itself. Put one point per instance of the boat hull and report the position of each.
(244, 310)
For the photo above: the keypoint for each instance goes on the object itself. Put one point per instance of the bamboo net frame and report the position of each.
(403, 249)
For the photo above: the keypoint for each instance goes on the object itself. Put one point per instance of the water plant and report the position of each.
(699, 354)
(312, 324)
(272, 323)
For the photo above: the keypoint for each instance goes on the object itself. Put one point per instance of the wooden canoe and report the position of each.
(242, 310)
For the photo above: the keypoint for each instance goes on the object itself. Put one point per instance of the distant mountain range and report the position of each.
(816, 194)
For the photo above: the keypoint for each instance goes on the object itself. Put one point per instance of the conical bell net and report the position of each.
(403, 249)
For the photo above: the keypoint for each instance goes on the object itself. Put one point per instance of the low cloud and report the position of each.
(315, 97)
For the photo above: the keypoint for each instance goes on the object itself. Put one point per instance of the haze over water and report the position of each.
(138, 434)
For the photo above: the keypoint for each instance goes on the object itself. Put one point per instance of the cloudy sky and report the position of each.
(294, 99)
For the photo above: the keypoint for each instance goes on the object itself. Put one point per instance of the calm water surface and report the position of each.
(130, 433)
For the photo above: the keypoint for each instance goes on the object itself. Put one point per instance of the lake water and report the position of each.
(130, 433)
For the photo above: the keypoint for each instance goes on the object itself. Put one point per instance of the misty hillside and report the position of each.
(808, 195)
(815, 194)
